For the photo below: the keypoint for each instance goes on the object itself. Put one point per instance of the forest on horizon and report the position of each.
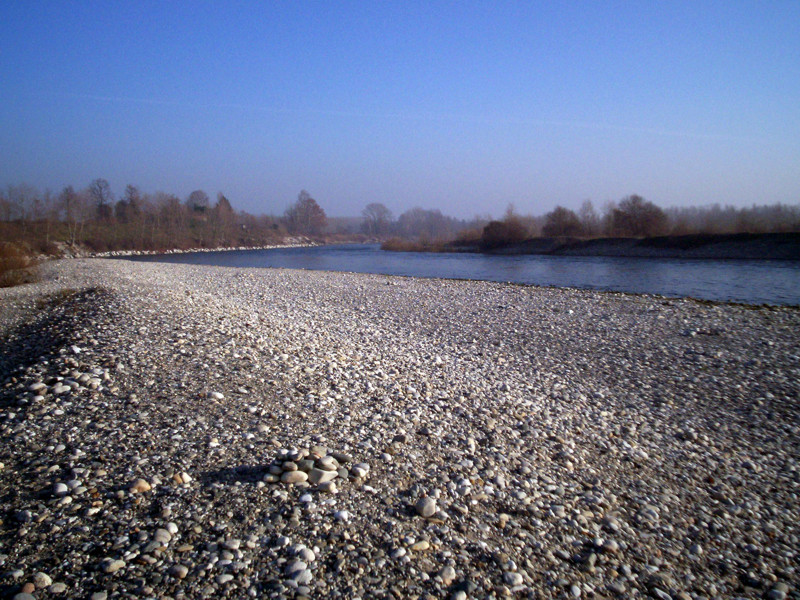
(92, 219)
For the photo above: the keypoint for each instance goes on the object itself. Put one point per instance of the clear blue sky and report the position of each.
(462, 106)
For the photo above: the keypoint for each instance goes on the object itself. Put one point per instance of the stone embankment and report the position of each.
(179, 431)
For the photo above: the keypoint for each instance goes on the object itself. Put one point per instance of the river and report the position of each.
(748, 281)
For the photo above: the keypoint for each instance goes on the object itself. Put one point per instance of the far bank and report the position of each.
(737, 246)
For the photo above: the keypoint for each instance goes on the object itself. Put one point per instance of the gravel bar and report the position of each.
(179, 431)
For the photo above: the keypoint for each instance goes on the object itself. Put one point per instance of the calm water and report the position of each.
(754, 282)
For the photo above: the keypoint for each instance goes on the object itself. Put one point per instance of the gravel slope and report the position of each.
(445, 439)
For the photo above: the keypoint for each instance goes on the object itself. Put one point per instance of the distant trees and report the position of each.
(562, 222)
(637, 217)
(198, 201)
(422, 223)
(502, 233)
(75, 212)
(778, 218)
(590, 221)
(89, 217)
(223, 220)
(377, 219)
(305, 216)
(100, 192)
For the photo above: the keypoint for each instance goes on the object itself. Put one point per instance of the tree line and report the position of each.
(631, 217)
(93, 219)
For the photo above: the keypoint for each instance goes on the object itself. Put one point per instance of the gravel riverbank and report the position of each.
(176, 431)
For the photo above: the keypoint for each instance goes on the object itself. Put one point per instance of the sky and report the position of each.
(462, 106)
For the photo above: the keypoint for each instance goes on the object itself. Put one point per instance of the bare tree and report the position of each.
(224, 219)
(171, 219)
(503, 233)
(637, 217)
(75, 208)
(101, 195)
(377, 219)
(562, 222)
(305, 216)
(590, 221)
(23, 201)
(198, 201)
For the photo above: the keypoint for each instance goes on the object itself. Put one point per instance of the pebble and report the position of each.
(162, 535)
(555, 442)
(425, 506)
(112, 566)
(447, 575)
(420, 546)
(329, 487)
(41, 580)
(140, 486)
(295, 566)
(179, 571)
(317, 476)
(294, 477)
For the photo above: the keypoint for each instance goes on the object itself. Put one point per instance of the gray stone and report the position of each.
(425, 506)
(511, 578)
(112, 566)
(294, 477)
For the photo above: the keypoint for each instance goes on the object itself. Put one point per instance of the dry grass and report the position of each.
(17, 266)
(402, 245)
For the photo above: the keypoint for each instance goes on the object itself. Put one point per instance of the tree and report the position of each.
(305, 216)
(377, 219)
(590, 222)
(135, 201)
(223, 218)
(101, 195)
(420, 223)
(562, 222)
(172, 219)
(637, 217)
(198, 201)
(75, 208)
(503, 233)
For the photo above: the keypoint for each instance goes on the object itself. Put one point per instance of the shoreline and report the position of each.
(541, 426)
(738, 246)
(124, 253)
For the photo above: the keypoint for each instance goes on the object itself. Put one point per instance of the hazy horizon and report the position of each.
(459, 107)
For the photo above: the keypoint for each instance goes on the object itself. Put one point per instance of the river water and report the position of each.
(749, 281)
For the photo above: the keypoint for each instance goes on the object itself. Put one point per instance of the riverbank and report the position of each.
(486, 438)
(742, 246)
(738, 246)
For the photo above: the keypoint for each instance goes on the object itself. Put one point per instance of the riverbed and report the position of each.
(197, 431)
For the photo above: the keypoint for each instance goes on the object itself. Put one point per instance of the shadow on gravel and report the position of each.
(243, 473)
(53, 327)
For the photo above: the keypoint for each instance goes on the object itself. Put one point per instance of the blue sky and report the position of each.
(461, 106)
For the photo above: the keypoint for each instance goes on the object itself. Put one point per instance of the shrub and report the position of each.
(396, 244)
(562, 222)
(16, 265)
(498, 234)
